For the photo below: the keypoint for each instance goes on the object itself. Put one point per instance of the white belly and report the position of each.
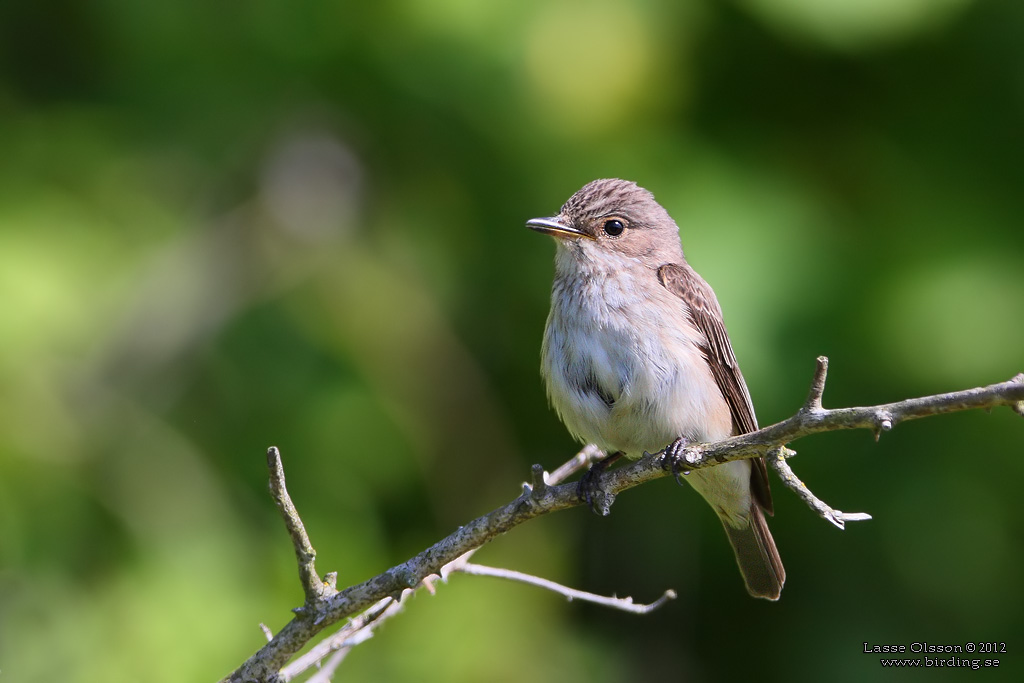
(630, 384)
(624, 377)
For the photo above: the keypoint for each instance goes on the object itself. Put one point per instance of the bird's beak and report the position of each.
(555, 228)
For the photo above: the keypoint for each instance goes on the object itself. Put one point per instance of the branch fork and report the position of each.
(368, 604)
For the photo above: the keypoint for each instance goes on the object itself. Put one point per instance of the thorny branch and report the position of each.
(380, 596)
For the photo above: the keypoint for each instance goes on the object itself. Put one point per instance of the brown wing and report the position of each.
(706, 314)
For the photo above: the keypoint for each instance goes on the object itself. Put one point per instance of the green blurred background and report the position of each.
(230, 225)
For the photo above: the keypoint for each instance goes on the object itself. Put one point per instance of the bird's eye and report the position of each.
(613, 227)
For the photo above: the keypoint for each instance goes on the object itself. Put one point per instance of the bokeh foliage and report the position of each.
(226, 226)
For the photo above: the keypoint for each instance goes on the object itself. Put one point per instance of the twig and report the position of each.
(338, 645)
(537, 488)
(312, 586)
(361, 628)
(540, 480)
(581, 461)
(625, 604)
(777, 460)
(813, 402)
(265, 664)
(877, 419)
(777, 457)
(326, 672)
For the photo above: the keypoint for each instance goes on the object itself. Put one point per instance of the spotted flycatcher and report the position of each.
(636, 357)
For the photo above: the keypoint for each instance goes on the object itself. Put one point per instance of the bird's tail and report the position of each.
(757, 556)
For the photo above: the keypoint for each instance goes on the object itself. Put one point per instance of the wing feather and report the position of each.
(706, 314)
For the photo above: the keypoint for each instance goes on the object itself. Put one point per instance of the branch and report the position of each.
(623, 604)
(777, 460)
(312, 586)
(541, 479)
(581, 461)
(338, 645)
(541, 498)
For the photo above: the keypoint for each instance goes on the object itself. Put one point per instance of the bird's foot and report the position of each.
(674, 460)
(592, 492)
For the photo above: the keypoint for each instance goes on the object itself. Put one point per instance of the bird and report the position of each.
(636, 357)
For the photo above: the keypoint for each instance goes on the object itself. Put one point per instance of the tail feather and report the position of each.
(757, 556)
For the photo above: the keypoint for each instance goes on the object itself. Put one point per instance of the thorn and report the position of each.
(266, 631)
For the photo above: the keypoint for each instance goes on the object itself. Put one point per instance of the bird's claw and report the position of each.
(673, 459)
(592, 492)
